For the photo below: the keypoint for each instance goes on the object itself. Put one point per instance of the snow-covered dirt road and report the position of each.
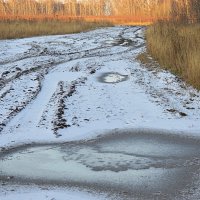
(72, 87)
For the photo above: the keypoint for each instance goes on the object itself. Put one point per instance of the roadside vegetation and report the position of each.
(176, 47)
(175, 43)
(21, 28)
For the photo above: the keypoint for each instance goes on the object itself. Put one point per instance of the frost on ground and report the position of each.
(45, 193)
(51, 88)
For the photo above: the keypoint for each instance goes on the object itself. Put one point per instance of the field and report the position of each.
(10, 29)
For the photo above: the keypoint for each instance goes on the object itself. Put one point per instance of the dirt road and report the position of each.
(71, 87)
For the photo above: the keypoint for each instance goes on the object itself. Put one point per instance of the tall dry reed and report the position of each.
(177, 48)
(22, 28)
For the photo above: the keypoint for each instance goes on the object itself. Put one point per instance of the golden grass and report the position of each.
(143, 58)
(177, 48)
(21, 29)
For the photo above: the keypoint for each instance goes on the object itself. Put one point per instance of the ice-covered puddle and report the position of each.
(120, 41)
(112, 77)
(140, 164)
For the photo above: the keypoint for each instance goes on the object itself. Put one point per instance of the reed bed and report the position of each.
(10, 29)
(176, 47)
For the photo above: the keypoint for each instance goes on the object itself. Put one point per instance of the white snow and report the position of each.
(46, 193)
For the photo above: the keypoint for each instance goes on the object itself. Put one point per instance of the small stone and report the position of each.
(182, 114)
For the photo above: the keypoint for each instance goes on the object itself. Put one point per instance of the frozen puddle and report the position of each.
(138, 164)
(112, 77)
(120, 41)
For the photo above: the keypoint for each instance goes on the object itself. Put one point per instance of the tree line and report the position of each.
(157, 9)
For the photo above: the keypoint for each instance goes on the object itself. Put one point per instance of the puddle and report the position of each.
(112, 77)
(144, 165)
(121, 41)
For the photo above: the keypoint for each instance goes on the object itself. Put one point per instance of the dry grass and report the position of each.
(177, 48)
(143, 58)
(21, 29)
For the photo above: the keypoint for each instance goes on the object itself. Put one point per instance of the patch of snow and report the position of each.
(46, 193)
